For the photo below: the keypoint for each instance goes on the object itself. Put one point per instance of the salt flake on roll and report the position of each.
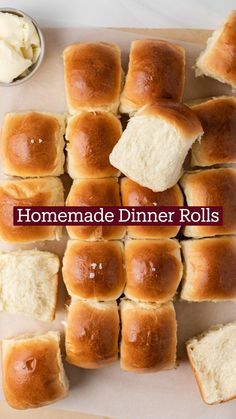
(153, 147)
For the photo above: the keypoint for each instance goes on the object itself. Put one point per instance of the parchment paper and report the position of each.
(110, 391)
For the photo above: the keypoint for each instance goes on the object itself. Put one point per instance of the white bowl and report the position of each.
(34, 67)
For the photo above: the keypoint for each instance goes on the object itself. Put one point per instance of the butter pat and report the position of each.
(19, 45)
(14, 63)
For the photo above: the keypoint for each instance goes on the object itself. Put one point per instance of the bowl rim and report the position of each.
(39, 60)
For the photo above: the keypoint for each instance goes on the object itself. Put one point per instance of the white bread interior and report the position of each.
(151, 152)
(29, 283)
(213, 358)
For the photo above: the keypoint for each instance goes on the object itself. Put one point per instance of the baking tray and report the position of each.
(110, 391)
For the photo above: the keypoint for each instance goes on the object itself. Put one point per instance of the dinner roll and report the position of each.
(214, 187)
(29, 283)
(95, 192)
(217, 145)
(212, 356)
(94, 270)
(33, 373)
(156, 70)
(210, 269)
(153, 147)
(148, 336)
(91, 137)
(93, 77)
(218, 60)
(26, 193)
(135, 195)
(32, 144)
(153, 269)
(92, 333)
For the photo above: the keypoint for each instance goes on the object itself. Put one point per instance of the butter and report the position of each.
(13, 63)
(19, 46)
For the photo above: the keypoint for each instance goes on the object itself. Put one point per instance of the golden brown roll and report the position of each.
(94, 270)
(210, 269)
(217, 145)
(135, 195)
(93, 77)
(95, 192)
(156, 70)
(28, 192)
(32, 144)
(148, 336)
(214, 187)
(92, 332)
(153, 269)
(218, 60)
(33, 373)
(91, 137)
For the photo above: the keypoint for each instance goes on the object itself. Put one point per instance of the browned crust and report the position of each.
(210, 272)
(31, 373)
(153, 269)
(148, 338)
(91, 137)
(92, 75)
(220, 61)
(94, 270)
(92, 334)
(32, 144)
(156, 70)
(177, 114)
(217, 145)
